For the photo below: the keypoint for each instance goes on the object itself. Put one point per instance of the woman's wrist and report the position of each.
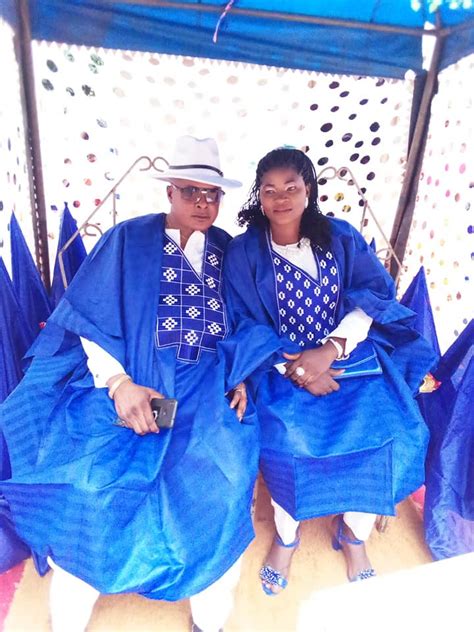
(115, 382)
(336, 346)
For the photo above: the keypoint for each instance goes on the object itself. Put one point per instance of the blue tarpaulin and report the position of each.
(262, 31)
(449, 500)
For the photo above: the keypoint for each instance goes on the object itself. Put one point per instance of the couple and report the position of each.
(168, 306)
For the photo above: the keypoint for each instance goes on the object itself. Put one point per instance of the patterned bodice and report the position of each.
(191, 313)
(306, 307)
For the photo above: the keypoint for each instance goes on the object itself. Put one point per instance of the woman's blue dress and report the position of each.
(363, 447)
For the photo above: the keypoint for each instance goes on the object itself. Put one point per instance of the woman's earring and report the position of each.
(306, 202)
(261, 208)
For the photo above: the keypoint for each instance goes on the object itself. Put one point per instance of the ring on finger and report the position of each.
(300, 371)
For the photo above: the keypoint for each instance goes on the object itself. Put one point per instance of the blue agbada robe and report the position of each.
(361, 448)
(162, 515)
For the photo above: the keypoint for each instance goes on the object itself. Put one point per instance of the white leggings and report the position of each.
(71, 601)
(360, 523)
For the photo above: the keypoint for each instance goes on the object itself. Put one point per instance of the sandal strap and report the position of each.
(344, 538)
(272, 576)
(367, 573)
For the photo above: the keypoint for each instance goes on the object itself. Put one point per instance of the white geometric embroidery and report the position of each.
(318, 326)
(310, 335)
(169, 323)
(284, 328)
(191, 337)
(211, 283)
(170, 274)
(301, 343)
(292, 336)
(326, 331)
(333, 270)
(329, 255)
(323, 264)
(291, 303)
(334, 288)
(277, 261)
(331, 321)
(299, 293)
(214, 328)
(300, 311)
(282, 312)
(309, 319)
(281, 295)
(292, 320)
(324, 314)
(317, 290)
(301, 328)
(286, 267)
(193, 289)
(306, 283)
(170, 248)
(317, 309)
(213, 304)
(170, 299)
(308, 301)
(325, 280)
(289, 285)
(279, 277)
(213, 260)
(325, 299)
(192, 312)
(332, 305)
(297, 275)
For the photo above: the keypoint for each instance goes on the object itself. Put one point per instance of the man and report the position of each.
(114, 503)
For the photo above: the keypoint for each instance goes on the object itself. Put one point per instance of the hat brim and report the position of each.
(198, 176)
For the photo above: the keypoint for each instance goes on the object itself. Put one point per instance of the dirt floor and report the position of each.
(315, 566)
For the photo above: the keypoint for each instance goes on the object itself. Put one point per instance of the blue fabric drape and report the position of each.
(449, 412)
(13, 344)
(72, 257)
(27, 282)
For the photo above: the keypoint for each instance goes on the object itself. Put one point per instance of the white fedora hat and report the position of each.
(197, 159)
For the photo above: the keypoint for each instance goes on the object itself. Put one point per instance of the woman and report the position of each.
(341, 432)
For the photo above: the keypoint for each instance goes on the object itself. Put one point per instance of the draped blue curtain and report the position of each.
(449, 411)
(14, 340)
(72, 257)
(27, 282)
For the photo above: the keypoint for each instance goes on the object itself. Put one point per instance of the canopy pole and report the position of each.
(33, 153)
(283, 17)
(406, 202)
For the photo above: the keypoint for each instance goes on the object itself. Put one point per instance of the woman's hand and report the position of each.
(325, 383)
(132, 403)
(306, 367)
(239, 400)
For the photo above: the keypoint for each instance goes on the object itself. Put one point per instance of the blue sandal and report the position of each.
(337, 541)
(271, 575)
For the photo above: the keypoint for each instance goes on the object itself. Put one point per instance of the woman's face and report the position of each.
(283, 194)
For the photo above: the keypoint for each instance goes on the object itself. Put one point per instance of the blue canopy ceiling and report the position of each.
(250, 33)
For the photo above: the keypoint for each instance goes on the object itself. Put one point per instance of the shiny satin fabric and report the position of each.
(163, 515)
(363, 447)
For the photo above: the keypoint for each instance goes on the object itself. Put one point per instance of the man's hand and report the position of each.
(325, 383)
(306, 367)
(132, 403)
(239, 400)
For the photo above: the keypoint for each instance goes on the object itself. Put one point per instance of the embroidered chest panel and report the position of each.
(306, 307)
(191, 313)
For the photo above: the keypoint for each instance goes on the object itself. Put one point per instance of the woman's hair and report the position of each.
(314, 225)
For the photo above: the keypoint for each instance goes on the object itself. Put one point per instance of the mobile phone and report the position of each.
(164, 411)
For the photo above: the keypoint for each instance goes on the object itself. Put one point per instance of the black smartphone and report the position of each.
(164, 411)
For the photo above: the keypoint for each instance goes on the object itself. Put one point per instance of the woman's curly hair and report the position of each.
(314, 225)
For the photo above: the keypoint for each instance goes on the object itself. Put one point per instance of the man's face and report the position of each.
(194, 205)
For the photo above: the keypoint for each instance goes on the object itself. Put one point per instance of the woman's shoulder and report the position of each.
(341, 227)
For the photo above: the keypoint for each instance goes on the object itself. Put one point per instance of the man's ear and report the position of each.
(169, 193)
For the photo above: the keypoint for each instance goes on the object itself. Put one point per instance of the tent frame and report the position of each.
(420, 114)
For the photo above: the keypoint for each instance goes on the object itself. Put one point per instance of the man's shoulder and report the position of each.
(219, 236)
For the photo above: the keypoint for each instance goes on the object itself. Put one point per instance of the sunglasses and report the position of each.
(194, 194)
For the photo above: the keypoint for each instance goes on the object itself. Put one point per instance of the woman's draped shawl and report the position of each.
(164, 515)
(363, 447)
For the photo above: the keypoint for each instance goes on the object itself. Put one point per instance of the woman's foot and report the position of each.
(274, 573)
(357, 562)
